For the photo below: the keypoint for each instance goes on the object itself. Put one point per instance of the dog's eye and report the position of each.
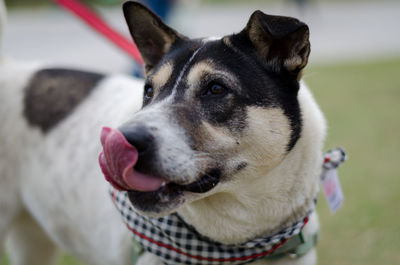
(148, 91)
(215, 89)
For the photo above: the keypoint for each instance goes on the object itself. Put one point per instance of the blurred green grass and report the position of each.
(362, 105)
(361, 102)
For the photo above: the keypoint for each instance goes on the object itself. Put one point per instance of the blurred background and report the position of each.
(354, 72)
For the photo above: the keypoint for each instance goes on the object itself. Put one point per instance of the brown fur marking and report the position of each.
(52, 94)
(162, 75)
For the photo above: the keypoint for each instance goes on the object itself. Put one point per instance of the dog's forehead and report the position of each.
(186, 65)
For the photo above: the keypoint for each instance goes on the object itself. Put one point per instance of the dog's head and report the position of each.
(216, 112)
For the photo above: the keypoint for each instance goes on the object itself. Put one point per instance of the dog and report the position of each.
(224, 136)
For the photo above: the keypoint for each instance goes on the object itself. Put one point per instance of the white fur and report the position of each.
(66, 196)
(210, 39)
(52, 190)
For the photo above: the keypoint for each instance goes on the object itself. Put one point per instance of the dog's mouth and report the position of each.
(170, 195)
(118, 159)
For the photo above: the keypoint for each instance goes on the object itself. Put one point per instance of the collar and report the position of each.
(174, 241)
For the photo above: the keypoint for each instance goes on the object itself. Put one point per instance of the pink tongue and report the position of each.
(117, 161)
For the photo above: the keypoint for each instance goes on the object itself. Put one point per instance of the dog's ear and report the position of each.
(152, 37)
(280, 42)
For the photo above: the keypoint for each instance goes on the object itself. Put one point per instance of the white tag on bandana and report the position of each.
(332, 189)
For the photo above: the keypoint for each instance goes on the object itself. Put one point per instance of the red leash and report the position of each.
(93, 20)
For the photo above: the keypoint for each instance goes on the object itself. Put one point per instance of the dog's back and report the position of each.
(52, 194)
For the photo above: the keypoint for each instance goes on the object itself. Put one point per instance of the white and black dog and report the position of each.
(225, 137)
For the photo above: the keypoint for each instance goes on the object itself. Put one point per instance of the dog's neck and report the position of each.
(259, 208)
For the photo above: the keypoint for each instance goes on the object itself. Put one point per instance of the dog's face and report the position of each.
(216, 112)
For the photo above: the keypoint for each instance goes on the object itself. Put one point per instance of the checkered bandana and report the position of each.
(174, 241)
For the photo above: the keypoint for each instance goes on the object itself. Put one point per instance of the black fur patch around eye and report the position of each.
(260, 86)
(52, 94)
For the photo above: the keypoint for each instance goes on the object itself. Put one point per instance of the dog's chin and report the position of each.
(171, 196)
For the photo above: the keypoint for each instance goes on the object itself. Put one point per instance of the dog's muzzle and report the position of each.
(121, 162)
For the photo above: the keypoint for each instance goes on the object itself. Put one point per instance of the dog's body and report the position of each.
(261, 159)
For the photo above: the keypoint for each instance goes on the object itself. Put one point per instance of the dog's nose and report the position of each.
(139, 137)
(144, 142)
